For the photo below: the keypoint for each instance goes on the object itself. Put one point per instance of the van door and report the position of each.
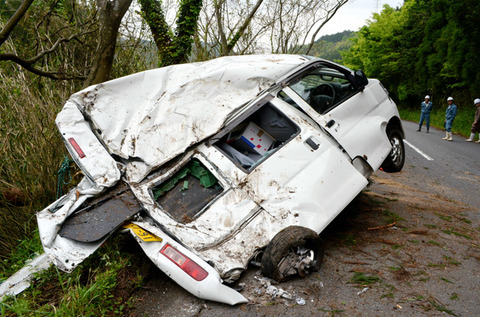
(307, 181)
(350, 114)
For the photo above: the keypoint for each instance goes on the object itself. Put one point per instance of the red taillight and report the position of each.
(76, 147)
(187, 265)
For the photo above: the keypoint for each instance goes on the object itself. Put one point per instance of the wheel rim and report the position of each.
(397, 150)
(297, 261)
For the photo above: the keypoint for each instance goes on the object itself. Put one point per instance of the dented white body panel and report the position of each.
(146, 127)
(66, 254)
(153, 116)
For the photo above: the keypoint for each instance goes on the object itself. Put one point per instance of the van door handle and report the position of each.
(330, 123)
(314, 145)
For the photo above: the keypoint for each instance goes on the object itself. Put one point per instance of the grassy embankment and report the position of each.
(30, 152)
(101, 286)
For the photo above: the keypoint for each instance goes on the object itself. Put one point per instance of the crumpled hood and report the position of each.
(150, 117)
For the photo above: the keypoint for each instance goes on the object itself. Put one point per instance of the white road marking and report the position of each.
(418, 150)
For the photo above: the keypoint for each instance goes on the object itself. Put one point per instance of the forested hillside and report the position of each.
(425, 47)
(330, 46)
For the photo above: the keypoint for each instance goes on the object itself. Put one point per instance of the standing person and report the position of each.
(476, 122)
(425, 113)
(449, 116)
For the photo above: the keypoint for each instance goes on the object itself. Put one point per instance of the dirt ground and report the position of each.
(395, 250)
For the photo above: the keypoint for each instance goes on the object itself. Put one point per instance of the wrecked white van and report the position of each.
(212, 165)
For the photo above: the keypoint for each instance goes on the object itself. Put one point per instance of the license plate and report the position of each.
(141, 233)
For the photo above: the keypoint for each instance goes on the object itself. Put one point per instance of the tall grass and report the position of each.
(30, 150)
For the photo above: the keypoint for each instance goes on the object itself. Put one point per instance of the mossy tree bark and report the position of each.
(174, 47)
(110, 14)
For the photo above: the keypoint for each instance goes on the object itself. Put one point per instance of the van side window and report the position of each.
(323, 88)
(257, 137)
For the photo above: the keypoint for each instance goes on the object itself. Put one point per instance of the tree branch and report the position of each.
(223, 39)
(55, 46)
(29, 67)
(13, 21)
(242, 29)
(28, 63)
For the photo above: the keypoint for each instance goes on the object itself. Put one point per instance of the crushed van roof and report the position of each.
(150, 117)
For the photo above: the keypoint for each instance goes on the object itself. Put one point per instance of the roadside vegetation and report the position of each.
(101, 286)
(422, 48)
(48, 55)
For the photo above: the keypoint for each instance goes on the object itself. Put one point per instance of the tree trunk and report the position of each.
(13, 21)
(173, 47)
(153, 14)
(110, 14)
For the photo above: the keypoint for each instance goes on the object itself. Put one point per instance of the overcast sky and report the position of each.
(353, 15)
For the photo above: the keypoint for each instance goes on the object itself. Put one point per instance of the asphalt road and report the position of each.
(453, 167)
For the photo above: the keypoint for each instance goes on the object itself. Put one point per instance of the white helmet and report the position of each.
(450, 99)
(427, 97)
(476, 101)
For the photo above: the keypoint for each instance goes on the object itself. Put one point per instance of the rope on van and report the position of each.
(62, 175)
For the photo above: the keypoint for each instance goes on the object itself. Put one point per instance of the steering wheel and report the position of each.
(325, 90)
(322, 97)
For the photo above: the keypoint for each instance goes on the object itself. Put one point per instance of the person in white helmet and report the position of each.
(425, 113)
(449, 117)
(476, 122)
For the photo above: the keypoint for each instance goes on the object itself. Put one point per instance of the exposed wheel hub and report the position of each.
(298, 261)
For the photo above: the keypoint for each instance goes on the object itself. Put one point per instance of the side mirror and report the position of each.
(361, 79)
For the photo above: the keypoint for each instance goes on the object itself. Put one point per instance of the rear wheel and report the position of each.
(293, 251)
(396, 158)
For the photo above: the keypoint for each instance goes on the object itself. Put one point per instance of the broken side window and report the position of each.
(256, 137)
(184, 195)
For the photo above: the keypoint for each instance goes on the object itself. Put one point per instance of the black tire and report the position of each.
(283, 243)
(396, 158)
